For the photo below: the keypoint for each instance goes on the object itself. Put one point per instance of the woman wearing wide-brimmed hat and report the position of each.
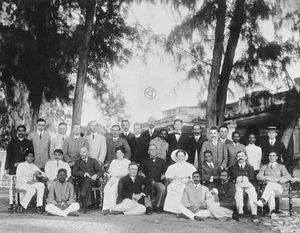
(180, 175)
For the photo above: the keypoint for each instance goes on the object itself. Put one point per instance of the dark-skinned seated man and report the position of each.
(88, 170)
(133, 194)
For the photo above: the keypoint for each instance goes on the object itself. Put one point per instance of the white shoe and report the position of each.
(259, 203)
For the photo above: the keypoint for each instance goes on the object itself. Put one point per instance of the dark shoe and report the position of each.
(148, 211)
(112, 212)
(154, 209)
(73, 214)
(84, 210)
(10, 207)
(20, 209)
(105, 212)
(235, 217)
(39, 210)
(181, 216)
(254, 218)
(240, 216)
(198, 218)
(159, 210)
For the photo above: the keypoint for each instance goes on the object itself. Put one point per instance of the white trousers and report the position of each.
(110, 194)
(269, 194)
(53, 209)
(219, 212)
(201, 213)
(130, 207)
(239, 198)
(31, 189)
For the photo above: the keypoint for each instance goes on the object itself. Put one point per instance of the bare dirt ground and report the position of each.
(95, 222)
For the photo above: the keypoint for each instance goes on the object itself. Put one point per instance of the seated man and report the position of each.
(88, 170)
(242, 174)
(133, 190)
(209, 171)
(52, 166)
(275, 175)
(61, 197)
(27, 173)
(154, 169)
(197, 202)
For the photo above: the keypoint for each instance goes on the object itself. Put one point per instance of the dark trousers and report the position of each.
(85, 194)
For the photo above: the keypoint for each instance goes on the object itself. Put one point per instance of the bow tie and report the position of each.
(177, 133)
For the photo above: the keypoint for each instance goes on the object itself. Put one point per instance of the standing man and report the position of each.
(16, 151)
(273, 144)
(195, 143)
(139, 145)
(114, 142)
(242, 174)
(61, 199)
(223, 135)
(58, 141)
(88, 170)
(161, 144)
(254, 153)
(217, 148)
(154, 169)
(126, 134)
(133, 194)
(237, 146)
(97, 143)
(178, 140)
(151, 132)
(73, 144)
(41, 144)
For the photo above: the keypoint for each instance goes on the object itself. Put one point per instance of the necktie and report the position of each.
(40, 135)
(272, 166)
(76, 138)
(241, 166)
(57, 164)
(150, 132)
(211, 166)
(63, 138)
(93, 136)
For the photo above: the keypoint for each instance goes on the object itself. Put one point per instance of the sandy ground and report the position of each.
(95, 222)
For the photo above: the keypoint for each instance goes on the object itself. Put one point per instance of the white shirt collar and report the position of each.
(274, 163)
(137, 136)
(243, 164)
(223, 140)
(21, 139)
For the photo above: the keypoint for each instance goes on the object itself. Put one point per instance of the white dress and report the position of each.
(181, 173)
(117, 169)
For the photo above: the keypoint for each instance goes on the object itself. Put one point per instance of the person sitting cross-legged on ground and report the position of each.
(27, 174)
(275, 175)
(118, 168)
(197, 202)
(133, 194)
(242, 174)
(61, 197)
(87, 170)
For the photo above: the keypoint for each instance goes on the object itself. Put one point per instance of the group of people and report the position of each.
(146, 172)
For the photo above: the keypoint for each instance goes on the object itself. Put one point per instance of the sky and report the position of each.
(162, 66)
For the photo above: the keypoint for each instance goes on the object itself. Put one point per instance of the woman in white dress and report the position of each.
(180, 175)
(117, 169)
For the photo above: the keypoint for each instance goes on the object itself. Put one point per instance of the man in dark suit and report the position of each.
(273, 144)
(139, 145)
(114, 142)
(226, 191)
(152, 132)
(154, 168)
(237, 146)
(126, 134)
(223, 134)
(88, 170)
(209, 171)
(196, 142)
(133, 194)
(177, 140)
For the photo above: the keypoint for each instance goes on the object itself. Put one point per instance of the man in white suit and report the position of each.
(97, 143)
(58, 141)
(41, 144)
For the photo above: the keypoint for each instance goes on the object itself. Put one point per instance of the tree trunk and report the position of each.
(237, 21)
(215, 68)
(34, 117)
(83, 61)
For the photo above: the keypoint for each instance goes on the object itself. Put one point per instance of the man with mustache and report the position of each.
(196, 142)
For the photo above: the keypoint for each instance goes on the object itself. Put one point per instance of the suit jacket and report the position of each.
(278, 172)
(92, 167)
(195, 146)
(71, 148)
(230, 149)
(126, 187)
(153, 168)
(219, 153)
(207, 172)
(278, 147)
(57, 143)
(139, 149)
(41, 148)
(235, 171)
(97, 146)
(129, 138)
(236, 149)
(15, 153)
(154, 134)
(111, 149)
(183, 143)
(227, 195)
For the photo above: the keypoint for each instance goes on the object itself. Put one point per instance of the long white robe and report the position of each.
(181, 173)
(117, 169)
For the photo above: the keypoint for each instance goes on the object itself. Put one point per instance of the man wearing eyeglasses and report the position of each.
(275, 175)
(41, 144)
